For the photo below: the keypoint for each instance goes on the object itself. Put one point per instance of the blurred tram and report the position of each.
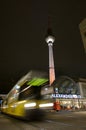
(30, 98)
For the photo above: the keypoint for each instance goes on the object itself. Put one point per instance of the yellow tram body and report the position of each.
(29, 98)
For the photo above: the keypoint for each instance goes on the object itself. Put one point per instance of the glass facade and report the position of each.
(65, 87)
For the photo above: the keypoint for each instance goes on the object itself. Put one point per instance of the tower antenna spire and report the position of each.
(49, 21)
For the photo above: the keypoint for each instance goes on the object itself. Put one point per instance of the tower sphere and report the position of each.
(50, 39)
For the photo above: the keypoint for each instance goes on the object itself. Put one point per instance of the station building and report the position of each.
(70, 94)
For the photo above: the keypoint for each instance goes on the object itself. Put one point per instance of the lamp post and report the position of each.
(50, 40)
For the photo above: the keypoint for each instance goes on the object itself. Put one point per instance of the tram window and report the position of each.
(23, 86)
(29, 93)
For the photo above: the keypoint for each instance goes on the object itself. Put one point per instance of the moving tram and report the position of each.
(30, 97)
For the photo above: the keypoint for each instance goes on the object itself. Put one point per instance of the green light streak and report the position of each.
(37, 81)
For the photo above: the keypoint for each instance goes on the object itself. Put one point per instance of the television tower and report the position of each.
(50, 40)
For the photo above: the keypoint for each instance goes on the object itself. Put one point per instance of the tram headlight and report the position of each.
(29, 105)
(46, 105)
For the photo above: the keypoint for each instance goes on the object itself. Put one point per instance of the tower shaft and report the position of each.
(51, 64)
(50, 40)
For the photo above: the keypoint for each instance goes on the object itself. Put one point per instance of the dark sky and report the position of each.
(22, 44)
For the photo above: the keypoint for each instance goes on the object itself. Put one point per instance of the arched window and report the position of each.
(66, 85)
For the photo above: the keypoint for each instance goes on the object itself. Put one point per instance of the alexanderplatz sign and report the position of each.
(66, 96)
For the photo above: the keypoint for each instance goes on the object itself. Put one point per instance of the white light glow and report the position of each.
(17, 86)
(46, 89)
(46, 105)
(20, 102)
(30, 105)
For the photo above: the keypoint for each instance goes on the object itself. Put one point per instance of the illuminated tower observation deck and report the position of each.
(50, 40)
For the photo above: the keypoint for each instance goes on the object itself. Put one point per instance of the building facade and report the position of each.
(82, 27)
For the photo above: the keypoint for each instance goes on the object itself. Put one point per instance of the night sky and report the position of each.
(23, 26)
